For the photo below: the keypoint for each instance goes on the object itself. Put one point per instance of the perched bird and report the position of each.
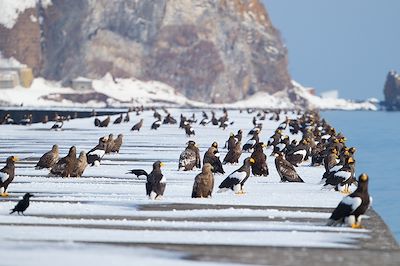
(7, 174)
(236, 180)
(212, 157)
(66, 165)
(183, 121)
(284, 124)
(251, 143)
(214, 120)
(80, 165)
(286, 170)
(138, 125)
(169, 119)
(330, 160)
(105, 122)
(299, 153)
(117, 143)
(189, 130)
(27, 120)
(203, 182)
(224, 123)
(205, 119)
(156, 124)
(57, 125)
(45, 119)
(275, 139)
(255, 129)
(126, 119)
(95, 155)
(260, 167)
(118, 120)
(49, 159)
(22, 205)
(157, 115)
(239, 135)
(97, 122)
(190, 157)
(156, 181)
(109, 143)
(343, 178)
(353, 206)
(281, 146)
(233, 155)
(230, 143)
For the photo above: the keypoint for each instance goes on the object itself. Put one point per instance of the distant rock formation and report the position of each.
(392, 91)
(209, 50)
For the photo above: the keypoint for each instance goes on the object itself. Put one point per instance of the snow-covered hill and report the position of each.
(110, 92)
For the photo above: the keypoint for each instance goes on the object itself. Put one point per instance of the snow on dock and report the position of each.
(106, 211)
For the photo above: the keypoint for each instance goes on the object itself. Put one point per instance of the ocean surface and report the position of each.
(376, 136)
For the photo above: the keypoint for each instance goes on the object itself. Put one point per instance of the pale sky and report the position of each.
(345, 45)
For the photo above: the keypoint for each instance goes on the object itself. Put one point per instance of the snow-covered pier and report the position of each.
(106, 212)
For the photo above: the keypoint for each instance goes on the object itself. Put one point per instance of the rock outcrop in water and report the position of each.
(209, 50)
(392, 91)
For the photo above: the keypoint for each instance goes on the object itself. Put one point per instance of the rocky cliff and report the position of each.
(210, 50)
(392, 91)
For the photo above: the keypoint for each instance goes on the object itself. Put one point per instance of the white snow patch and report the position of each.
(9, 62)
(11, 9)
(128, 92)
(316, 102)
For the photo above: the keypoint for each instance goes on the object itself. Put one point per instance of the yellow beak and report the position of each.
(364, 177)
(162, 164)
(15, 158)
(252, 160)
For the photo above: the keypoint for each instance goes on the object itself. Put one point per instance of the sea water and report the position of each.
(376, 136)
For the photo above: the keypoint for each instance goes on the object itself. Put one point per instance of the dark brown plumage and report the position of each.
(65, 165)
(204, 182)
(156, 182)
(286, 170)
(105, 122)
(259, 168)
(127, 118)
(212, 157)
(109, 143)
(230, 143)
(138, 125)
(118, 120)
(233, 155)
(7, 174)
(330, 160)
(80, 165)
(117, 144)
(49, 159)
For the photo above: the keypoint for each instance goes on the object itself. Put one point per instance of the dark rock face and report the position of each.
(209, 50)
(392, 91)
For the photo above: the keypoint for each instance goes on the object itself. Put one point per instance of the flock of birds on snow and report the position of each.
(320, 144)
